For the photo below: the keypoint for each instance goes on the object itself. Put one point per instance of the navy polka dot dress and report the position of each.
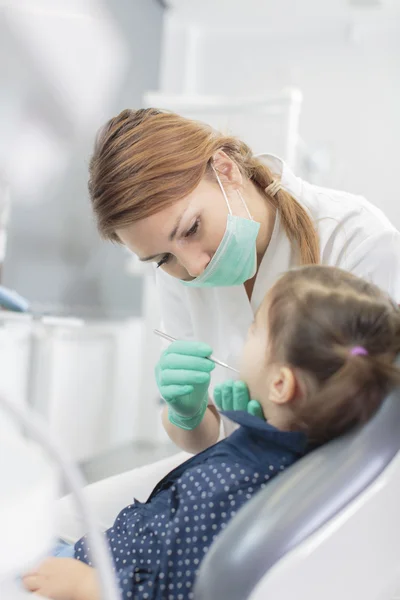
(158, 546)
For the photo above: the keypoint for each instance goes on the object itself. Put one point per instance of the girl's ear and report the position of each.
(283, 386)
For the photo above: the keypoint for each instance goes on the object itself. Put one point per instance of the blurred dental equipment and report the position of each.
(11, 301)
(27, 505)
(212, 357)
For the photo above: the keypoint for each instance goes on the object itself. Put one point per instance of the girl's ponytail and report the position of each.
(350, 397)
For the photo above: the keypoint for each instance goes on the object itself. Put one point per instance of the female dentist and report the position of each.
(221, 225)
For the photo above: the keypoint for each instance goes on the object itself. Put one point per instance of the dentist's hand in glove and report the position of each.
(234, 395)
(183, 378)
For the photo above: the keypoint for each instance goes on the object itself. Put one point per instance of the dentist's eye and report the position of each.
(194, 228)
(165, 259)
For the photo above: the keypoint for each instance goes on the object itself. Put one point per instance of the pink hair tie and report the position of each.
(358, 351)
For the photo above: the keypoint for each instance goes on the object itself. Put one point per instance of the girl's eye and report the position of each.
(193, 228)
(164, 260)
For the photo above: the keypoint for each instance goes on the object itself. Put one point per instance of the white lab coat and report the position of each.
(354, 235)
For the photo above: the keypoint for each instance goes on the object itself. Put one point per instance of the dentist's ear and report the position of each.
(283, 386)
(227, 169)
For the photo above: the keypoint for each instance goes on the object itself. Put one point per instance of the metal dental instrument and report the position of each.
(212, 358)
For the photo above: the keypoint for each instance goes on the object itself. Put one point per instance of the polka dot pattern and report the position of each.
(158, 546)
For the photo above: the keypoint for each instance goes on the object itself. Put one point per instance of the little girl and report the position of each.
(319, 359)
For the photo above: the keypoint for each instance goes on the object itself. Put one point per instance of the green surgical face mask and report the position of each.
(235, 260)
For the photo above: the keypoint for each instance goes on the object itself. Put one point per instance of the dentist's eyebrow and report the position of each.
(171, 238)
(177, 224)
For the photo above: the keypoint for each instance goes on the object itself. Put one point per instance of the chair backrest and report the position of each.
(298, 503)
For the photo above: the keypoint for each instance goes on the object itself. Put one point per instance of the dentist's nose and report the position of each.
(196, 263)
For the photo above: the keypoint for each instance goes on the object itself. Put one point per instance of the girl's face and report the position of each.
(271, 383)
(254, 363)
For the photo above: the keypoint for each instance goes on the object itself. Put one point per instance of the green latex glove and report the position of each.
(183, 378)
(234, 395)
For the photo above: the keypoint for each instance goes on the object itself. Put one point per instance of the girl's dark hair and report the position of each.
(316, 316)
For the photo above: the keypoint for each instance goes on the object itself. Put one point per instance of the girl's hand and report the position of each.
(63, 579)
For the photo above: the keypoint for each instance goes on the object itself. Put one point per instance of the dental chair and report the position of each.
(328, 528)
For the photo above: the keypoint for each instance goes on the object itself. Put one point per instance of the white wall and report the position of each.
(349, 73)
(351, 101)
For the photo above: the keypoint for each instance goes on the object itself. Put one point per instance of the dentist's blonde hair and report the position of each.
(145, 160)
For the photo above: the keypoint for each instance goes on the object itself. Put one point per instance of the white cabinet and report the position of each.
(15, 340)
(86, 381)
